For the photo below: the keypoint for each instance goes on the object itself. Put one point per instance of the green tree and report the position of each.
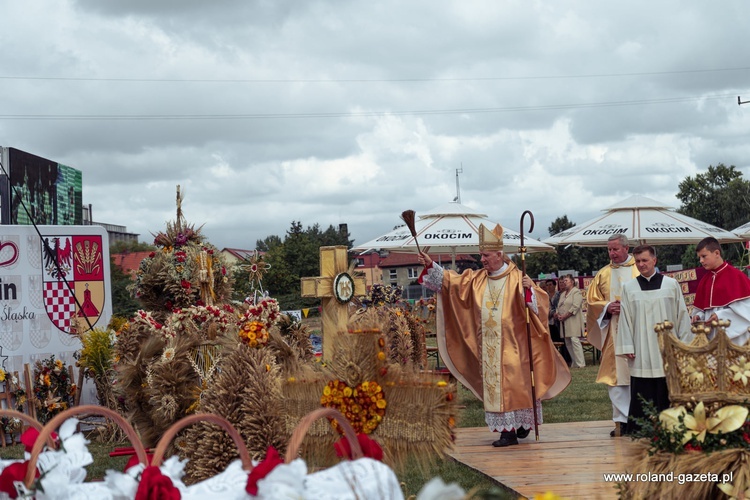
(268, 243)
(123, 302)
(130, 246)
(719, 196)
(297, 256)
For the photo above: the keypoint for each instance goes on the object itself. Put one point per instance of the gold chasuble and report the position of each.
(482, 338)
(606, 287)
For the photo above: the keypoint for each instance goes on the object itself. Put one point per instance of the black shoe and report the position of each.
(507, 438)
(521, 432)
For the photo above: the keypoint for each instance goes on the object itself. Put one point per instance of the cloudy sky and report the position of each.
(350, 112)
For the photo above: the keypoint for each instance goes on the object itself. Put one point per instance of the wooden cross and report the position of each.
(335, 286)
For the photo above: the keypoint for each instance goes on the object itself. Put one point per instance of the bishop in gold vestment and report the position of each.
(482, 338)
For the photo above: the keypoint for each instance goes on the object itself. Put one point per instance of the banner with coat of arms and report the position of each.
(51, 288)
(73, 276)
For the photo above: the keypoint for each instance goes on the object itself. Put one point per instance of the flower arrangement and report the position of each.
(254, 334)
(53, 390)
(428, 302)
(195, 316)
(266, 311)
(96, 354)
(185, 271)
(692, 439)
(696, 428)
(145, 319)
(13, 425)
(257, 321)
(364, 405)
(381, 295)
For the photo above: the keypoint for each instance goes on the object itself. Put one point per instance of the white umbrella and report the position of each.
(743, 231)
(643, 221)
(449, 229)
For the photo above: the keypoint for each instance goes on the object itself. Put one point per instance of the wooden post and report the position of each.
(335, 287)
(28, 380)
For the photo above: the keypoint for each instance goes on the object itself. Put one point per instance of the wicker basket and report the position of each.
(295, 442)
(46, 432)
(168, 436)
(704, 370)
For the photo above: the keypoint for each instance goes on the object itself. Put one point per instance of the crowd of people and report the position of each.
(499, 331)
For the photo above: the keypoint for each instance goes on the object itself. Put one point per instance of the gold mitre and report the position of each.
(490, 241)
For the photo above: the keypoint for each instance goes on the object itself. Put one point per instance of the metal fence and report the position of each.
(416, 292)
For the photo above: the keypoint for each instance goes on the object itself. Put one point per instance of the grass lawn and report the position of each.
(583, 400)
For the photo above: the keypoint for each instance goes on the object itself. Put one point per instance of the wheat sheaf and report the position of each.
(88, 257)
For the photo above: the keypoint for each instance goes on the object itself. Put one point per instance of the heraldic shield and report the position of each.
(73, 269)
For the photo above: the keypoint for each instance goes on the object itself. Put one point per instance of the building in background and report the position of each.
(403, 269)
(36, 190)
(234, 257)
(116, 232)
(368, 263)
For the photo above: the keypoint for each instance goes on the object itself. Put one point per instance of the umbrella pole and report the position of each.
(528, 325)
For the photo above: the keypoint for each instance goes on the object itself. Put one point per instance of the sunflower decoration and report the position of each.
(409, 412)
(364, 405)
(255, 324)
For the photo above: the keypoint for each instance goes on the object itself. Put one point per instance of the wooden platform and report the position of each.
(569, 459)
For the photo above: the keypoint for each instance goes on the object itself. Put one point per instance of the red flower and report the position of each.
(13, 472)
(690, 447)
(370, 447)
(262, 470)
(156, 486)
(746, 437)
(186, 284)
(28, 438)
(152, 255)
